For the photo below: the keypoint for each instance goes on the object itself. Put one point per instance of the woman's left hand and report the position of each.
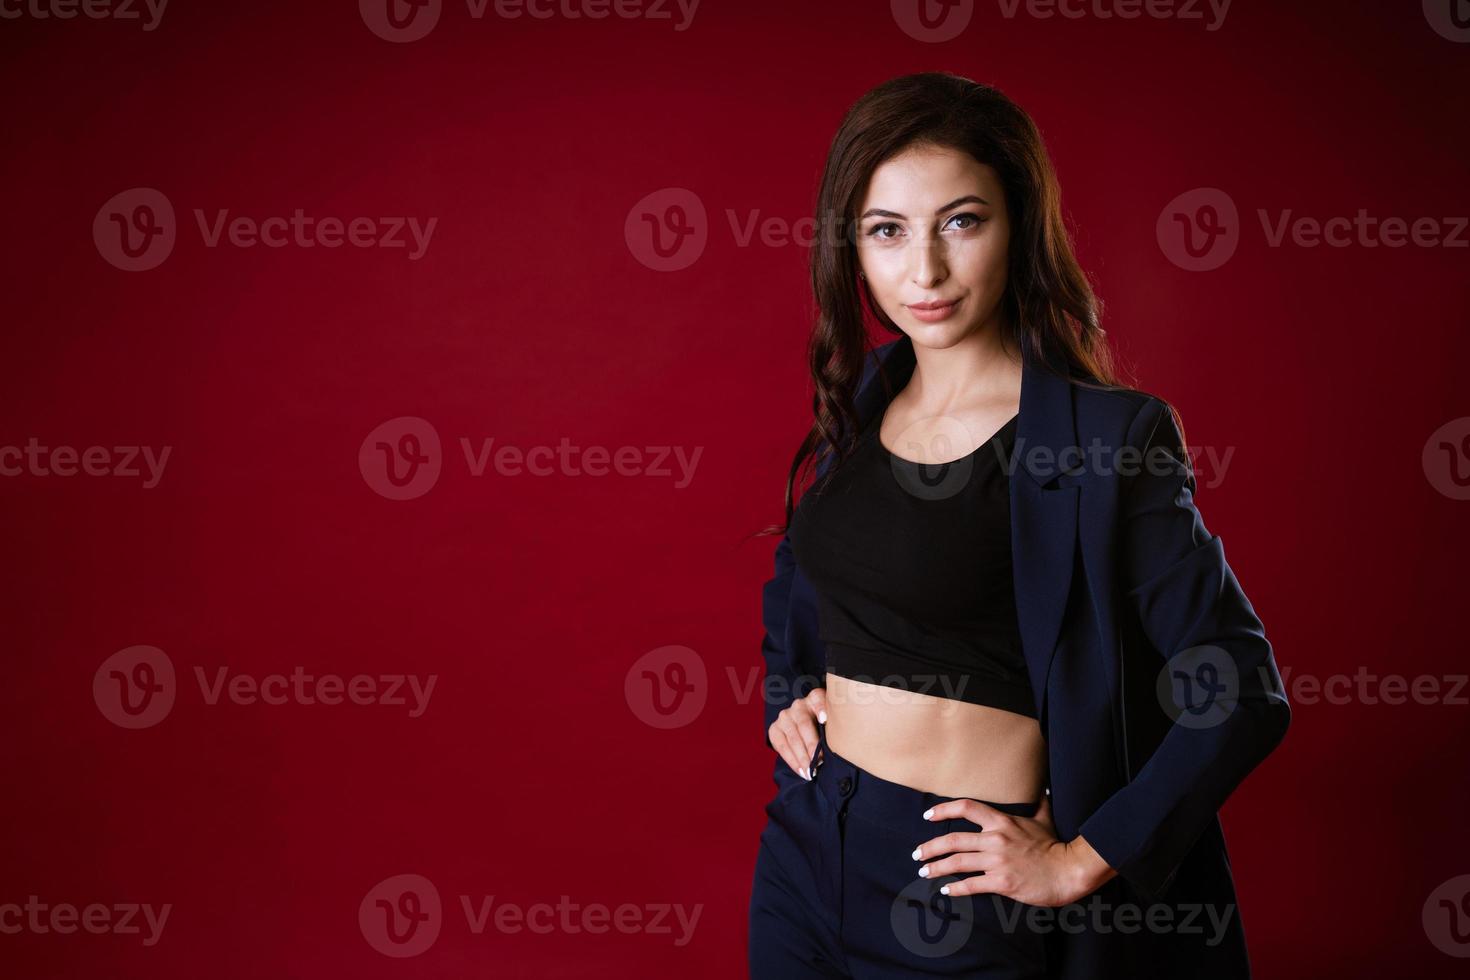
(1021, 856)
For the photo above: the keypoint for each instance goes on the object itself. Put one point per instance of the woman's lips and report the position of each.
(934, 314)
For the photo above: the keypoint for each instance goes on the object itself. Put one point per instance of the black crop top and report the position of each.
(911, 564)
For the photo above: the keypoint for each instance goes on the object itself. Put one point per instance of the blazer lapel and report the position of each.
(1043, 498)
(1043, 518)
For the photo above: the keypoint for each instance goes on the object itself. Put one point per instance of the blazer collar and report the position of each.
(1045, 423)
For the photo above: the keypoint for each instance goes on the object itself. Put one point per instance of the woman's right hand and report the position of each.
(794, 732)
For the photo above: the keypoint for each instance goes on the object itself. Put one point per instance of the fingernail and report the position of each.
(802, 770)
(916, 855)
(822, 717)
(944, 889)
(924, 873)
(929, 814)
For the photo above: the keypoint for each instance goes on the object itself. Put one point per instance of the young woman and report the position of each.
(1010, 677)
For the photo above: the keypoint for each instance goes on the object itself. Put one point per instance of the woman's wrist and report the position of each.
(1086, 867)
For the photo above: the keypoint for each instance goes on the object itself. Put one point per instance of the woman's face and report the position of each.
(933, 228)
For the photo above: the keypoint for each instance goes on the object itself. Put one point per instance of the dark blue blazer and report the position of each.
(1114, 576)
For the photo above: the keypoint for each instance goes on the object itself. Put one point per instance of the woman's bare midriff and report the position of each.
(939, 745)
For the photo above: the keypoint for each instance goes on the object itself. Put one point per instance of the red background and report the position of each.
(530, 319)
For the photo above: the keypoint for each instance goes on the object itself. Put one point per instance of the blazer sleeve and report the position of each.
(1189, 603)
(779, 685)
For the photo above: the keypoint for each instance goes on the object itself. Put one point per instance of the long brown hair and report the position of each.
(1048, 304)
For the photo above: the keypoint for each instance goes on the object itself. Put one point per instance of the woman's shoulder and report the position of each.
(1118, 414)
(1094, 399)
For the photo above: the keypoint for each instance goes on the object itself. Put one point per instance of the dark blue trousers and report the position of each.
(837, 892)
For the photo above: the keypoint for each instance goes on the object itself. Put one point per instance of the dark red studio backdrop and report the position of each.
(231, 541)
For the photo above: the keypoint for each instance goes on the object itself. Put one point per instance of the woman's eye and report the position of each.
(970, 224)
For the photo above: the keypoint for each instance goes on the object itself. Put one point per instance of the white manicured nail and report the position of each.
(944, 890)
(916, 855)
(929, 813)
(924, 873)
(822, 717)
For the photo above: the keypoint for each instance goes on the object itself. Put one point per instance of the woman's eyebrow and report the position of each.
(967, 199)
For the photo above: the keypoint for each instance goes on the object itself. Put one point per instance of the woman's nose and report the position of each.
(929, 266)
